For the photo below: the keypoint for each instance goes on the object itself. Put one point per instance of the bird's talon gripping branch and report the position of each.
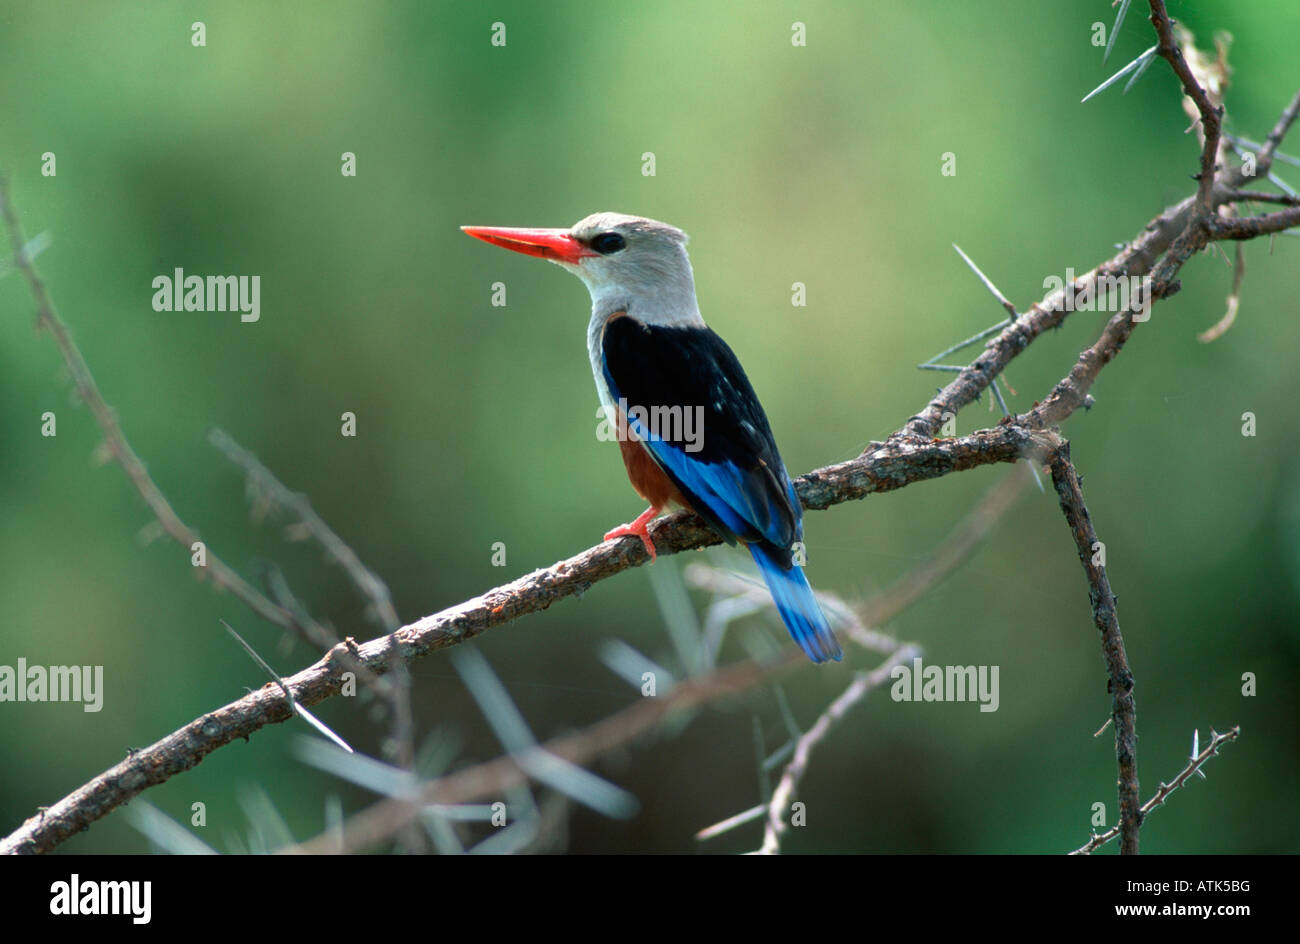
(638, 528)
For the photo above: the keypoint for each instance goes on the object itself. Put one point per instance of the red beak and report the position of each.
(554, 244)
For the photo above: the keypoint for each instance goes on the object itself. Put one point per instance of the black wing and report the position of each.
(724, 460)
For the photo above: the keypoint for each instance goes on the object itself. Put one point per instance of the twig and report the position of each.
(1252, 226)
(1241, 144)
(270, 489)
(1211, 114)
(1123, 707)
(1234, 300)
(1193, 767)
(731, 822)
(1239, 196)
(1264, 159)
(216, 570)
(1071, 391)
(862, 685)
(274, 491)
(1134, 260)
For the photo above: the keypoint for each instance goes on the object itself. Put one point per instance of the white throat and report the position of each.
(668, 301)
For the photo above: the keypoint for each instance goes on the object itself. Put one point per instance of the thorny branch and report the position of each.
(885, 467)
(220, 573)
(908, 456)
(1123, 711)
(223, 577)
(863, 684)
(374, 825)
(270, 490)
(1211, 113)
(1193, 767)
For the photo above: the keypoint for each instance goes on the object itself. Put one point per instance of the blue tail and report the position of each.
(797, 605)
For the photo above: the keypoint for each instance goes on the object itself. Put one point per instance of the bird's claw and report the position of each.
(638, 528)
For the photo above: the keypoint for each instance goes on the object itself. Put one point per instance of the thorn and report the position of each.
(1149, 54)
(1002, 299)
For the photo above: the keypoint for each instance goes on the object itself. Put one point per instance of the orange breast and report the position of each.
(644, 473)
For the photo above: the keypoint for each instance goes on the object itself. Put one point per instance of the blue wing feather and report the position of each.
(734, 478)
(729, 492)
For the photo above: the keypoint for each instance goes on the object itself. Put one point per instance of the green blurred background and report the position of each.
(818, 164)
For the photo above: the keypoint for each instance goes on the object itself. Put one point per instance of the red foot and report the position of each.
(639, 529)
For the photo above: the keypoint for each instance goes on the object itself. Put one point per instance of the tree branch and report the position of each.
(223, 577)
(1251, 226)
(1211, 114)
(863, 684)
(1193, 767)
(494, 778)
(1123, 708)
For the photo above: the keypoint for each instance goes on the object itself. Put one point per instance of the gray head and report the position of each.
(628, 263)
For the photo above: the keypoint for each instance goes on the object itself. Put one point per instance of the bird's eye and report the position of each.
(606, 243)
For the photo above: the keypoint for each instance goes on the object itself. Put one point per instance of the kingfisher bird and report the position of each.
(654, 358)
